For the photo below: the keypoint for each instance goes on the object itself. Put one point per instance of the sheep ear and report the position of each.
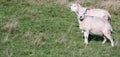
(80, 3)
(71, 3)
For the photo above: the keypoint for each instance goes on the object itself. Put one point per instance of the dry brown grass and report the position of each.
(38, 40)
(110, 4)
(9, 26)
(47, 2)
(28, 34)
(106, 4)
(113, 5)
(38, 2)
(53, 2)
(9, 53)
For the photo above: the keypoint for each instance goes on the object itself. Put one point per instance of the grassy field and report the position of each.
(47, 28)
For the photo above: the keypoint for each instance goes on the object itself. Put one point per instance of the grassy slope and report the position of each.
(48, 31)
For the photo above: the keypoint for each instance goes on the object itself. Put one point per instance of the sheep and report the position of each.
(97, 26)
(78, 9)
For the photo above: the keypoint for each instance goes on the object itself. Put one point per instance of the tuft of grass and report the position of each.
(39, 38)
(9, 26)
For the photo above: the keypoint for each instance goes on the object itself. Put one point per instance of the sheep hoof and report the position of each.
(86, 43)
(104, 42)
(112, 45)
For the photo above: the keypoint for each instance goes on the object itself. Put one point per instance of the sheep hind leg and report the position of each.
(103, 42)
(110, 38)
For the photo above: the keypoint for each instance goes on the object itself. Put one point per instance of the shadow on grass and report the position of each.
(96, 38)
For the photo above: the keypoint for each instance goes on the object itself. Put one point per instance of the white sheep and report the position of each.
(78, 9)
(97, 26)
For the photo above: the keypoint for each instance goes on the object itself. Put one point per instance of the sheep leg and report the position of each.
(110, 38)
(104, 40)
(86, 37)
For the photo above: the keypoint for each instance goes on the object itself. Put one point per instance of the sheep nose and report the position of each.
(80, 16)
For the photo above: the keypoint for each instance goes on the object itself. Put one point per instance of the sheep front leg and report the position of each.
(86, 37)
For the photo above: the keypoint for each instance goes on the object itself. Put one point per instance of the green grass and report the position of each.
(48, 31)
